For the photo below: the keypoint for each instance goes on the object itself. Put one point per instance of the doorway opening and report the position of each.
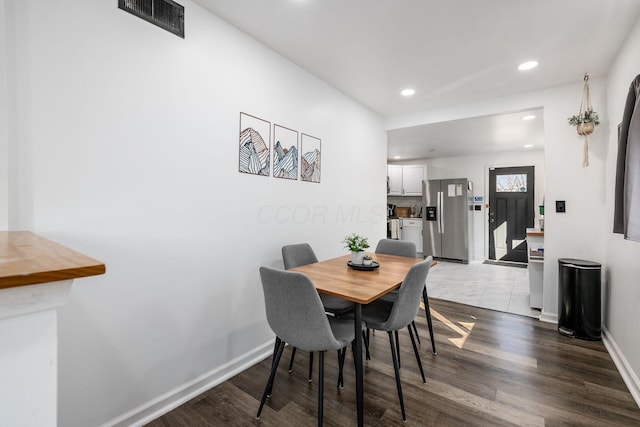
(511, 212)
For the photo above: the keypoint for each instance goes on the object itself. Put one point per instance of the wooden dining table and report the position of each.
(335, 277)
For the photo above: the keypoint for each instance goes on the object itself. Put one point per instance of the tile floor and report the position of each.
(496, 287)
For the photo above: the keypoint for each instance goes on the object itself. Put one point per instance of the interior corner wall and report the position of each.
(476, 169)
(621, 287)
(128, 152)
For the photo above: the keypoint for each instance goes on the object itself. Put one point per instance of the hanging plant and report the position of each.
(586, 120)
(585, 123)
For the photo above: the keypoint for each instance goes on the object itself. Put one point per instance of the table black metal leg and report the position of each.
(358, 363)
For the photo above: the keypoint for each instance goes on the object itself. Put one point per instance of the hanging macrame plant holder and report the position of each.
(586, 128)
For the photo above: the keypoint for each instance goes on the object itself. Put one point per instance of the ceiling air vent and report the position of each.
(165, 14)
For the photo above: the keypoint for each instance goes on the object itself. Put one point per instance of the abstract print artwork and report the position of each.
(285, 152)
(255, 153)
(310, 160)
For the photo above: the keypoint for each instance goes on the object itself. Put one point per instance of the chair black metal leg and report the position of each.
(427, 313)
(415, 331)
(269, 386)
(365, 338)
(273, 359)
(293, 354)
(396, 368)
(398, 350)
(320, 386)
(415, 350)
(310, 366)
(341, 354)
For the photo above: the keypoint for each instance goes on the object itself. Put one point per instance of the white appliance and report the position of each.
(411, 231)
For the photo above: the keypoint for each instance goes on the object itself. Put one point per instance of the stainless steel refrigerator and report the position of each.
(446, 205)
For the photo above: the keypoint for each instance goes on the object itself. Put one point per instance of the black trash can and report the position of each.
(579, 299)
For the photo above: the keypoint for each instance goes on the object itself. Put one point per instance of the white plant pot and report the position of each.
(357, 257)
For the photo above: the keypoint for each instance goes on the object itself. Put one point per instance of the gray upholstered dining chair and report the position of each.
(300, 254)
(296, 315)
(391, 316)
(407, 249)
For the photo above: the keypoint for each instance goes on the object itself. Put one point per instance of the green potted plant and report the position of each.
(585, 122)
(356, 244)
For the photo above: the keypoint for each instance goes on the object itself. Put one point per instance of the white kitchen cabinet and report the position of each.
(412, 177)
(394, 178)
(405, 180)
(411, 231)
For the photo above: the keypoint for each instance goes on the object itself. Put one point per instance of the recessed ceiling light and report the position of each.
(529, 117)
(528, 146)
(396, 157)
(527, 65)
(408, 92)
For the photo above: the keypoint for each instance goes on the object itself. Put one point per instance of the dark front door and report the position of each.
(511, 212)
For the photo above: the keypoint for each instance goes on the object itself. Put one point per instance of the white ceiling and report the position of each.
(450, 51)
(477, 135)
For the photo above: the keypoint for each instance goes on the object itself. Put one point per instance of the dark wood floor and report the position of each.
(492, 369)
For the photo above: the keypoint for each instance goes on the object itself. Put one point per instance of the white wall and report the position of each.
(5, 57)
(128, 152)
(476, 169)
(577, 232)
(621, 311)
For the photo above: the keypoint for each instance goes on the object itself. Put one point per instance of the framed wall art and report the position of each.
(310, 160)
(255, 154)
(285, 152)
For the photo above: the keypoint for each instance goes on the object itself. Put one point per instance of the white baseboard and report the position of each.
(545, 316)
(159, 406)
(626, 371)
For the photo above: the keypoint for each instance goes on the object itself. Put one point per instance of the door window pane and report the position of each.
(512, 183)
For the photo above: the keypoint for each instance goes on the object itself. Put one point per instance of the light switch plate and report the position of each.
(561, 206)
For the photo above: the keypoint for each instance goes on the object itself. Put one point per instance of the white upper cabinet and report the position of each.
(394, 180)
(405, 180)
(412, 177)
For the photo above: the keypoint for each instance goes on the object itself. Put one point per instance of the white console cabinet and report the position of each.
(535, 249)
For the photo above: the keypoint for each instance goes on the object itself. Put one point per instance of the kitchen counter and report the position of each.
(535, 232)
(28, 259)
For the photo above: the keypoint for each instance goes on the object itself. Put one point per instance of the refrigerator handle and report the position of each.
(440, 212)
